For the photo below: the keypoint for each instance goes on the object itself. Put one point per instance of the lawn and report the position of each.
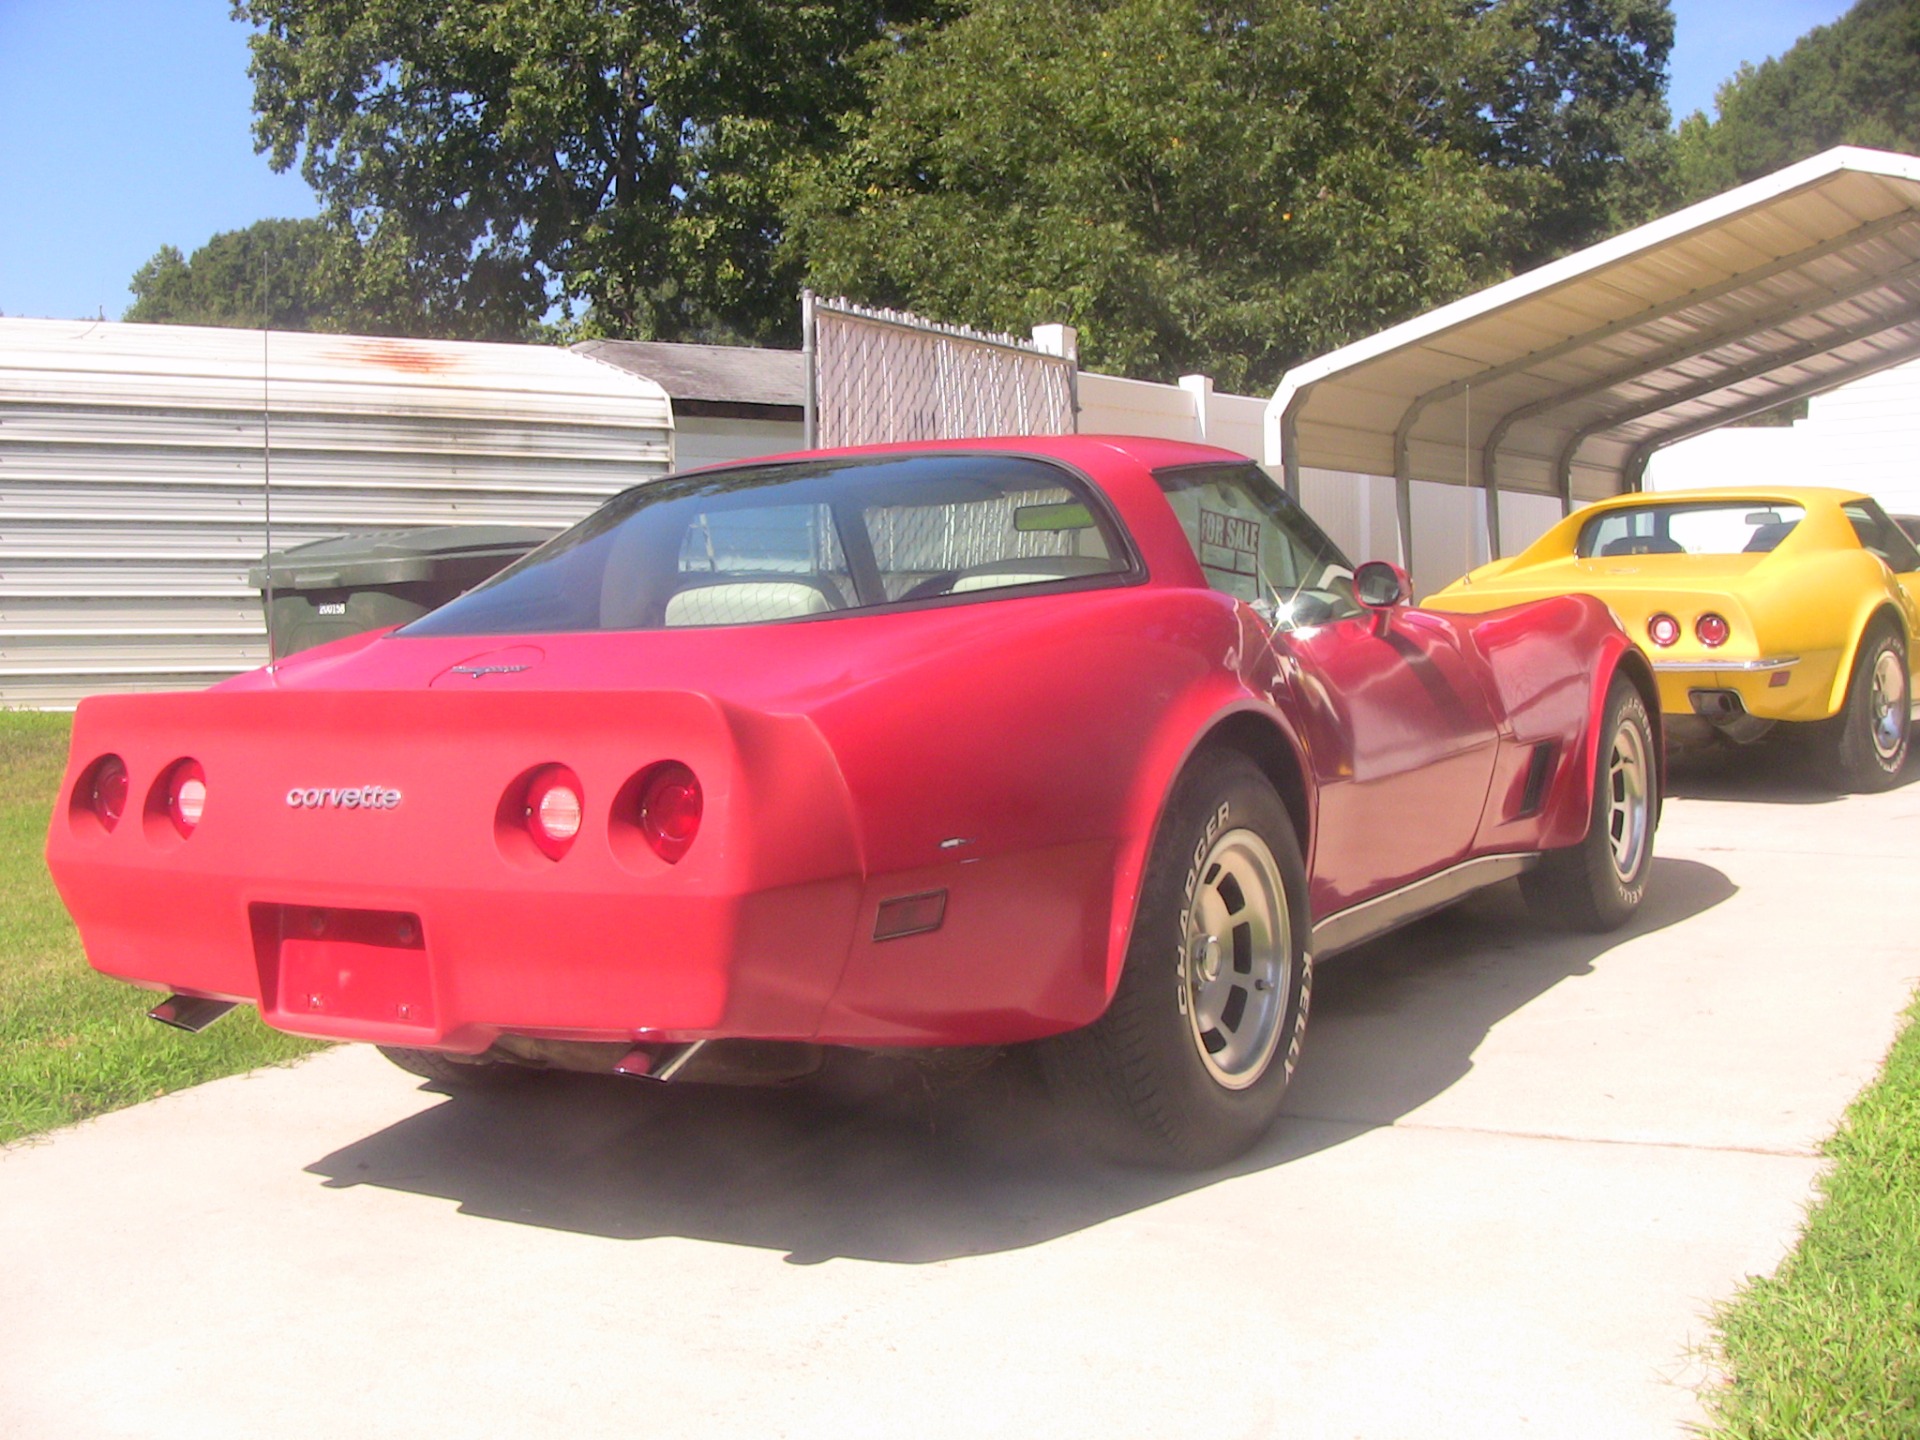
(72, 1043)
(1830, 1345)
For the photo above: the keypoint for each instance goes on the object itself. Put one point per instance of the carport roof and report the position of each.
(1565, 380)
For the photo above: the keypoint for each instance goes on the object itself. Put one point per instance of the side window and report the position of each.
(1255, 544)
(1880, 535)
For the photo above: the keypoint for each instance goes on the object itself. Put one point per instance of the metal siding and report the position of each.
(131, 466)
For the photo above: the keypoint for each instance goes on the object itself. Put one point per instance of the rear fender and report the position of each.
(1873, 610)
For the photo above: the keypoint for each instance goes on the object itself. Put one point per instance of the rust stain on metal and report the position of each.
(397, 355)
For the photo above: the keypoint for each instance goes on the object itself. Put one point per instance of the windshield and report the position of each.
(794, 541)
(1730, 527)
(1253, 542)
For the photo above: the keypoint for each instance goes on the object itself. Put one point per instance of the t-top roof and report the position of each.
(1565, 380)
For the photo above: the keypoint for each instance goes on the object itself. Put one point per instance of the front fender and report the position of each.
(1572, 813)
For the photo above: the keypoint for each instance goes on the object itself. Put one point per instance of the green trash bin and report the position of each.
(331, 588)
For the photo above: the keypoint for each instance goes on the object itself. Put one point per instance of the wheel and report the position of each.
(456, 1073)
(1869, 743)
(1598, 883)
(1188, 1065)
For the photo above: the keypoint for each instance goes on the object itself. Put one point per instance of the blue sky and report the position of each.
(125, 125)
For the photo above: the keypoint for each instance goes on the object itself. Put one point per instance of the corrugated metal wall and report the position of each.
(132, 459)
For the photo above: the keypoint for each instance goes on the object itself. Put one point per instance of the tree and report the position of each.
(495, 157)
(290, 274)
(1854, 82)
(1570, 106)
(1228, 187)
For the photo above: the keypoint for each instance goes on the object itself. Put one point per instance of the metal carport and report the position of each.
(1565, 381)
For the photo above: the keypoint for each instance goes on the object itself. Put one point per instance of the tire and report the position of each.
(1869, 738)
(1188, 1065)
(1596, 884)
(457, 1074)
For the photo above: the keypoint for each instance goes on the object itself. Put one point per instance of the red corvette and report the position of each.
(1094, 742)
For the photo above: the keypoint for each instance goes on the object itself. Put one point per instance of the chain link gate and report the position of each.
(880, 375)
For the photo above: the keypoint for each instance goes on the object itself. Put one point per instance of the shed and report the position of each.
(730, 402)
(1565, 381)
(134, 462)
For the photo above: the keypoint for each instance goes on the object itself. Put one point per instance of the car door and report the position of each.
(1400, 732)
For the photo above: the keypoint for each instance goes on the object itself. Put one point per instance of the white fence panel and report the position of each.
(875, 376)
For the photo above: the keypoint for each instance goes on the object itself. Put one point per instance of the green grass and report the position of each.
(1830, 1346)
(73, 1043)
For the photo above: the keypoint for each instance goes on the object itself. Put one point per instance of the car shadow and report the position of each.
(1779, 769)
(890, 1160)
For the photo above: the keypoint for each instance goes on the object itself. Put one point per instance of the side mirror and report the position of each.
(1380, 585)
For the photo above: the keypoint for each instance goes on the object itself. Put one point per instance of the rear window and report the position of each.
(1736, 527)
(800, 540)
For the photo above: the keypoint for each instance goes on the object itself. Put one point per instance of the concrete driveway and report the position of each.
(1519, 1169)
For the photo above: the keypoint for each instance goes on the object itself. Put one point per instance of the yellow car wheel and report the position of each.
(1871, 735)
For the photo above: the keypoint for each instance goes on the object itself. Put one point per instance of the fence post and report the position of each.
(1064, 341)
(1199, 388)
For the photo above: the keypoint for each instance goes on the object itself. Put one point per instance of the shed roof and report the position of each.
(1565, 380)
(105, 363)
(716, 374)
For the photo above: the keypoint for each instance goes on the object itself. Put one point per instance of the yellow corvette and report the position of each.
(1775, 604)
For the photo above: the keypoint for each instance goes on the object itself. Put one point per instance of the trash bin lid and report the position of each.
(392, 557)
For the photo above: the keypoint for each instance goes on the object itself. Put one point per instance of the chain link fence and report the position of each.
(881, 375)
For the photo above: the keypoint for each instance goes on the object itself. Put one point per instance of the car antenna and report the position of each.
(266, 455)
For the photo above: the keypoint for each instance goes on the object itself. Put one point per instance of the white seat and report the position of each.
(746, 602)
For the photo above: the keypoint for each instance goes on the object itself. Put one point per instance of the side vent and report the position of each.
(1538, 768)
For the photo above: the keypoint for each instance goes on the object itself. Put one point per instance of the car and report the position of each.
(1097, 744)
(1760, 607)
(1909, 525)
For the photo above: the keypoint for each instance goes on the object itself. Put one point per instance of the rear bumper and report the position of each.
(1784, 687)
(456, 969)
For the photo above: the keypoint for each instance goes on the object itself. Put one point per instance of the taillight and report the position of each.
(553, 810)
(669, 809)
(105, 789)
(1711, 630)
(186, 796)
(1663, 630)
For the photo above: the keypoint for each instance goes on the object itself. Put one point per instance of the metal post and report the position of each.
(810, 429)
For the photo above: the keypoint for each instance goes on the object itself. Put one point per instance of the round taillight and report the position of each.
(670, 805)
(186, 796)
(553, 810)
(106, 789)
(1712, 630)
(1663, 630)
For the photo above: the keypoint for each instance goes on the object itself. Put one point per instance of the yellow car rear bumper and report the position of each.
(1786, 687)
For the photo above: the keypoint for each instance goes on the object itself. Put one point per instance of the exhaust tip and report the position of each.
(190, 1013)
(658, 1062)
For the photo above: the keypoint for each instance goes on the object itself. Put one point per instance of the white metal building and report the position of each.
(1864, 436)
(1563, 384)
(134, 462)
